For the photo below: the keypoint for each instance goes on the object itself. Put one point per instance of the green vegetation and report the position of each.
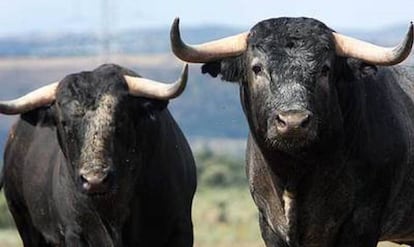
(6, 220)
(225, 217)
(219, 171)
(224, 214)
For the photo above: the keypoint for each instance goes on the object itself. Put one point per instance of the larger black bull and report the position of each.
(97, 160)
(330, 156)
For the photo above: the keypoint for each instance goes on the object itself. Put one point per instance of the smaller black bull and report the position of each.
(330, 156)
(97, 160)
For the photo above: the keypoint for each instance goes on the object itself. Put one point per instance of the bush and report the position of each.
(219, 170)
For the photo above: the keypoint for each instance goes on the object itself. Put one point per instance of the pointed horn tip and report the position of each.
(177, 21)
(411, 27)
(410, 31)
(175, 27)
(175, 35)
(184, 76)
(184, 71)
(410, 34)
(183, 81)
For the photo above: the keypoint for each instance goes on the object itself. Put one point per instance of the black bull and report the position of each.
(56, 155)
(330, 155)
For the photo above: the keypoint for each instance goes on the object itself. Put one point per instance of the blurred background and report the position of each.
(42, 41)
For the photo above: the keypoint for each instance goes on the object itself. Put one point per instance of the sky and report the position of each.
(54, 16)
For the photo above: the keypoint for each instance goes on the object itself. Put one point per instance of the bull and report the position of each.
(330, 153)
(97, 160)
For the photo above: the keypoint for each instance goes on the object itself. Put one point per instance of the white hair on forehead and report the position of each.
(99, 129)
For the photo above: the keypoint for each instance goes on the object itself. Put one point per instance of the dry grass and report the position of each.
(9, 238)
(241, 228)
(225, 217)
(222, 218)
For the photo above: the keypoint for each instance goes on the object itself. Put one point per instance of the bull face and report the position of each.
(288, 94)
(106, 120)
(104, 131)
(87, 139)
(286, 80)
(93, 126)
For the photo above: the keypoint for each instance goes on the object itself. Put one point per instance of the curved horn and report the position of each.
(37, 98)
(206, 52)
(350, 47)
(156, 90)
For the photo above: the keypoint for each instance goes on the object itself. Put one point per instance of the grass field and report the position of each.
(222, 218)
(228, 218)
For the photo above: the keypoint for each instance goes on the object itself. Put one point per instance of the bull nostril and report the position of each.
(106, 178)
(305, 122)
(85, 183)
(293, 122)
(83, 179)
(280, 121)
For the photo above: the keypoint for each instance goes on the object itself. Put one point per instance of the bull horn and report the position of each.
(37, 98)
(155, 90)
(206, 52)
(350, 47)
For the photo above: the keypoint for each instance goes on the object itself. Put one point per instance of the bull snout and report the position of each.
(293, 123)
(96, 183)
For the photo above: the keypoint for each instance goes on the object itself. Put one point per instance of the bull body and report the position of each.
(330, 158)
(96, 126)
(357, 189)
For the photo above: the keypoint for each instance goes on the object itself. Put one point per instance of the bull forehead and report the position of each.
(280, 30)
(292, 43)
(102, 117)
(99, 127)
(88, 87)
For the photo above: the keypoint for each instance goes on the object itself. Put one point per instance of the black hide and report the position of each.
(96, 127)
(347, 178)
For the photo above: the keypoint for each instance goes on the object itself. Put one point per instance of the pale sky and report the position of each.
(51, 16)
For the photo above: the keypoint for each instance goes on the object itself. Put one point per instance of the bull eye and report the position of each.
(257, 69)
(325, 71)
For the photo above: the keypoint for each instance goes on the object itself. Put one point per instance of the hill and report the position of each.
(208, 109)
(140, 41)
(146, 41)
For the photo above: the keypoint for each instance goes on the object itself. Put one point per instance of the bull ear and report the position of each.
(230, 69)
(145, 107)
(213, 68)
(43, 116)
(157, 105)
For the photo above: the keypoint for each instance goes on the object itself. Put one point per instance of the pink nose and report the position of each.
(95, 183)
(293, 122)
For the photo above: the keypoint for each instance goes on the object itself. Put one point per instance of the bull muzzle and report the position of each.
(96, 182)
(293, 123)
